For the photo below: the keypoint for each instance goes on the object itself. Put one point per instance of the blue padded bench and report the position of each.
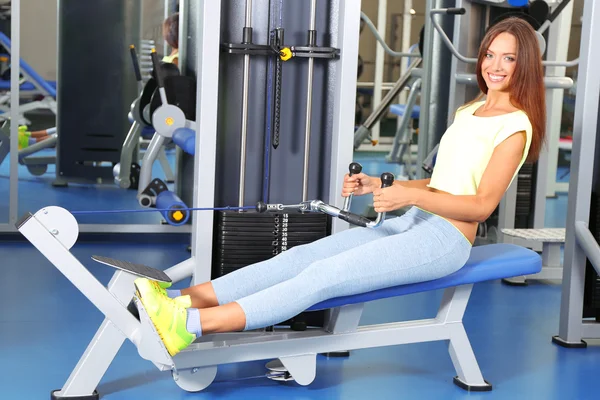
(400, 109)
(489, 262)
(186, 139)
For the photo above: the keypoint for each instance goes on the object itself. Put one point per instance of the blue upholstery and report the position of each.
(167, 202)
(488, 262)
(25, 86)
(27, 70)
(147, 132)
(400, 109)
(186, 139)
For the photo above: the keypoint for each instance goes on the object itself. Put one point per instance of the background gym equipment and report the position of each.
(127, 178)
(91, 113)
(35, 92)
(172, 108)
(35, 165)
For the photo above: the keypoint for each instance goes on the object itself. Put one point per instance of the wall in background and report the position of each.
(39, 36)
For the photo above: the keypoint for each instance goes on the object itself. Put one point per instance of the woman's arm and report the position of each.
(416, 184)
(477, 208)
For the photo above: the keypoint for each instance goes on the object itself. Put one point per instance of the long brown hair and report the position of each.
(527, 91)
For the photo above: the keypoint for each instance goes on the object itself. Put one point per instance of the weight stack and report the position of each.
(244, 238)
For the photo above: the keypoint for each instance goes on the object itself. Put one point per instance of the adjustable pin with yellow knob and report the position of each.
(285, 54)
(177, 216)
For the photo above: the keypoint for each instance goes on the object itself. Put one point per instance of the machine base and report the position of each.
(93, 396)
(517, 281)
(337, 354)
(470, 388)
(568, 345)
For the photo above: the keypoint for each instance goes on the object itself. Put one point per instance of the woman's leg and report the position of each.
(430, 249)
(256, 277)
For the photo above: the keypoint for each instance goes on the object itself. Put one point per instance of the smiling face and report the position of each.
(499, 62)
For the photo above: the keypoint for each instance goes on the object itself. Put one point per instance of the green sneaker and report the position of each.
(159, 288)
(168, 316)
(23, 141)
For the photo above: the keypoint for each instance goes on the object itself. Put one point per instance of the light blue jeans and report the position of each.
(415, 247)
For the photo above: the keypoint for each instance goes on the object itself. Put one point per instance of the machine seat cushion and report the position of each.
(400, 109)
(488, 262)
(186, 139)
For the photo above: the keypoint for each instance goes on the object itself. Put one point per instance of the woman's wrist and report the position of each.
(376, 184)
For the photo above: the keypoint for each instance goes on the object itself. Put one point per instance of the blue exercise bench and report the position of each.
(53, 231)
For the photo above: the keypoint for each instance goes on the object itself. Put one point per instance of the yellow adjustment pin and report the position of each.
(177, 216)
(285, 54)
(169, 121)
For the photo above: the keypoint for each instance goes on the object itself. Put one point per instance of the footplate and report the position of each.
(136, 269)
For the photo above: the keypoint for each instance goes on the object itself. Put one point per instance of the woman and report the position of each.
(170, 30)
(479, 156)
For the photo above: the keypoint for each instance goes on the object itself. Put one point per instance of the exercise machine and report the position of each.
(53, 231)
(580, 306)
(141, 125)
(37, 165)
(91, 118)
(33, 85)
(172, 110)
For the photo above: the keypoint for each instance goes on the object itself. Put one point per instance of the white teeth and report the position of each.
(496, 78)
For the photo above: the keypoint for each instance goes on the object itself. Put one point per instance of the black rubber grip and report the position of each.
(354, 168)
(455, 11)
(156, 66)
(387, 179)
(354, 219)
(136, 65)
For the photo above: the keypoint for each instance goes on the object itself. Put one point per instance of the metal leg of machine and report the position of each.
(130, 144)
(580, 243)
(402, 139)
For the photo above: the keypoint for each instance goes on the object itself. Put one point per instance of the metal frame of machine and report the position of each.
(580, 244)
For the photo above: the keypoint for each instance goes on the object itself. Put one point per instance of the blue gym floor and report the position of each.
(46, 324)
